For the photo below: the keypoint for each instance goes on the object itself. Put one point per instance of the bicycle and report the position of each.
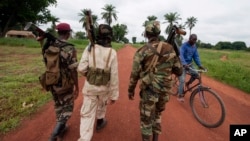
(207, 106)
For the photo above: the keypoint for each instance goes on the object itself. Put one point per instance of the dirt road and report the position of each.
(178, 123)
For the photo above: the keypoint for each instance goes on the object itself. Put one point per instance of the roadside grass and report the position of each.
(21, 64)
(229, 67)
(19, 70)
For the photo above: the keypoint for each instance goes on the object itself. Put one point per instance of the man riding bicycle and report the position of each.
(188, 53)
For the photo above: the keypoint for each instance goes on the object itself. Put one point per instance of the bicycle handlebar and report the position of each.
(199, 70)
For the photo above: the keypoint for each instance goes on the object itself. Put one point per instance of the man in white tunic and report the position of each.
(100, 67)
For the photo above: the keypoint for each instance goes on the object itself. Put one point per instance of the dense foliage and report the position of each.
(15, 13)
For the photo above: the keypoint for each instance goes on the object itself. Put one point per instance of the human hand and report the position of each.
(186, 67)
(131, 96)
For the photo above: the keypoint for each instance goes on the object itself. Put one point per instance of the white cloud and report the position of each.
(218, 20)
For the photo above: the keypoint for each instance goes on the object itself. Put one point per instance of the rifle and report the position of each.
(42, 35)
(89, 27)
(171, 37)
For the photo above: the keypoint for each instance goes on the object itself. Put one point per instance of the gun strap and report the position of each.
(153, 49)
(110, 51)
(155, 58)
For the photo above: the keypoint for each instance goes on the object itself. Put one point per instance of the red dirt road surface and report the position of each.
(178, 122)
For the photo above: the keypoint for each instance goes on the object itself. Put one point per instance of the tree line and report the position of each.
(15, 13)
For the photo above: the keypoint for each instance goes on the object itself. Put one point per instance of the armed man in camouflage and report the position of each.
(153, 65)
(66, 90)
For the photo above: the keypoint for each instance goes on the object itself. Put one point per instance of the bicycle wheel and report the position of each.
(175, 85)
(207, 107)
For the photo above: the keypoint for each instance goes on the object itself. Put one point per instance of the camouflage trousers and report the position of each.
(64, 105)
(151, 106)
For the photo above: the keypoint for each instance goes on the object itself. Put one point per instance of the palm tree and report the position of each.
(109, 13)
(83, 18)
(171, 18)
(191, 21)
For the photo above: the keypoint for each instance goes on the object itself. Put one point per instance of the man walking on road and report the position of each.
(153, 64)
(61, 77)
(101, 87)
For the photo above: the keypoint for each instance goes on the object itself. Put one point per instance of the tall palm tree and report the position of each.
(83, 17)
(109, 13)
(191, 21)
(171, 18)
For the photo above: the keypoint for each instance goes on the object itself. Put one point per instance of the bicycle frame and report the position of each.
(198, 84)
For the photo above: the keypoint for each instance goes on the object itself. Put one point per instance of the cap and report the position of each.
(105, 30)
(153, 27)
(63, 27)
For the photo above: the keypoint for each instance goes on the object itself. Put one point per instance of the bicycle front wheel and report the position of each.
(207, 107)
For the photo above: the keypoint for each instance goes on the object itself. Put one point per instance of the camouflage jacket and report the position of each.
(159, 77)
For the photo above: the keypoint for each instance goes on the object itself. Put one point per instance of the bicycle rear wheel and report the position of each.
(207, 107)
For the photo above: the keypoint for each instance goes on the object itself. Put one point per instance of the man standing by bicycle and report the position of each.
(188, 53)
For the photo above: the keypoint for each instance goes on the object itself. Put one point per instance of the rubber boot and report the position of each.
(100, 124)
(57, 130)
(155, 137)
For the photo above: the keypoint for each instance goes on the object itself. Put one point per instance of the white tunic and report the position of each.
(101, 57)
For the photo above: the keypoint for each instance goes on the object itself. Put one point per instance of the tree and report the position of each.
(171, 18)
(83, 18)
(238, 45)
(53, 20)
(191, 21)
(80, 35)
(18, 12)
(119, 32)
(109, 13)
(223, 45)
(134, 40)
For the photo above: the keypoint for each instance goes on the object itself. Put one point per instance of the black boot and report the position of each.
(155, 137)
(100, 124)
(58, 130)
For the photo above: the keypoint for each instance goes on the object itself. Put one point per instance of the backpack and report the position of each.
(97, 76)
(58, 57)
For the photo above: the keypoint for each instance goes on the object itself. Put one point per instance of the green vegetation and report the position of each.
(230, 67)
(21, 64)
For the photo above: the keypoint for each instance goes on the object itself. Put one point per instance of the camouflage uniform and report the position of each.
(155, 84)
(64, 98)
(64, 105)
(66, 90)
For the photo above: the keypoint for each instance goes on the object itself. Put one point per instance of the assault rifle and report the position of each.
(171, 37)
(41, 35)
(89, 27)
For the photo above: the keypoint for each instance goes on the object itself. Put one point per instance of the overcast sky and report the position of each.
(218, 20)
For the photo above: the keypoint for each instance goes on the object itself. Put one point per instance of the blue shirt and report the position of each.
(189, 53)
